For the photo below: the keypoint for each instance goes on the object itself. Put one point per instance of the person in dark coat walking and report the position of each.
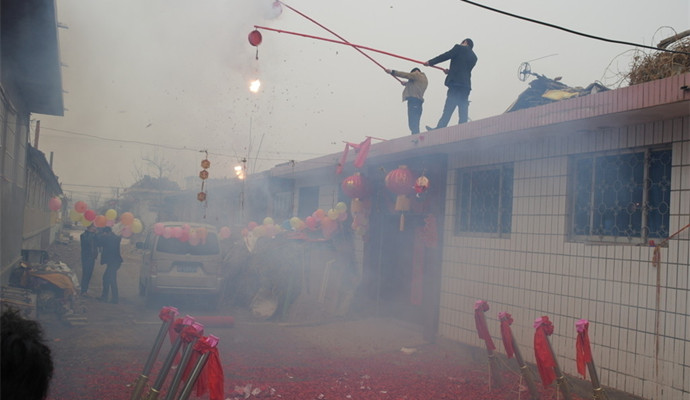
(458, 80)
(109, 243)
(89, 252)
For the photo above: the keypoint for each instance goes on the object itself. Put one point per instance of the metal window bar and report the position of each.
(643, 185)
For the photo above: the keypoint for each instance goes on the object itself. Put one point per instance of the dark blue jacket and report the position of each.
(462, 60)
(110, 248)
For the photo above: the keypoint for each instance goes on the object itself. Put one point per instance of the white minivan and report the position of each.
(181, 265)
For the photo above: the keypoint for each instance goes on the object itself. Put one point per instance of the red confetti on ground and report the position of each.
(382, 377)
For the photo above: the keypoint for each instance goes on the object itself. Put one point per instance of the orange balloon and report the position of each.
(100, 221)
(127, 218)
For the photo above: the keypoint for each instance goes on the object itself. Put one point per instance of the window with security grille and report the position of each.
(621, 197)
(484, 200)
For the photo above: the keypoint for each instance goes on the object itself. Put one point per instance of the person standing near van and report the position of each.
(89, 252)
(109, 243)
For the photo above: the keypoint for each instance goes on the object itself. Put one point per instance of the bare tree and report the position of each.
(94, 200)
(154, 165)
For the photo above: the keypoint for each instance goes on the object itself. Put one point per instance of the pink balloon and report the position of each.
(224, 232)
(167, 233)
(159, 229)
(177, 232)
(55, 204)
(110, 222)
(184, 236)
(80, 207)
(252, 225)
(89, 215)
(310, 222)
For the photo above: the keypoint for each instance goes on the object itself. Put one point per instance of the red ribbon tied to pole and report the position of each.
(542, 350)
(480, 306)
(211, 377)
(506, 333)
(583, 350)
(167, 313)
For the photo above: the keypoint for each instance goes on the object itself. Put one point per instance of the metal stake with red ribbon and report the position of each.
(584, 359)
(189, 335)
(481, 306)
(512, 349)
(167, 315)
(179, 325)
(546, 358)
(207, 374)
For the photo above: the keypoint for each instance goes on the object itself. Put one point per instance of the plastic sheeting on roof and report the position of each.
(543, 90)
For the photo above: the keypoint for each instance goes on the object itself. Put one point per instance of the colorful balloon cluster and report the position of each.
(268, 229)
(127, 225)
(326, 221)
(183, 233)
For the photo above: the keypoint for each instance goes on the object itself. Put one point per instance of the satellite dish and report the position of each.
(524, 71)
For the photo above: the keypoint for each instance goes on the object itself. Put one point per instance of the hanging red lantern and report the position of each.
(201, 196)
(401, 182)
(355, 187)
(203, 174)
(255, 38)
(205, 164)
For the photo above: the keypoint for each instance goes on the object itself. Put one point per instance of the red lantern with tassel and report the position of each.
(401, 182)
(356, 188)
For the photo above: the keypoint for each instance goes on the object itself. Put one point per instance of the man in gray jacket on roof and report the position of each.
(413, 94)
(459, 75)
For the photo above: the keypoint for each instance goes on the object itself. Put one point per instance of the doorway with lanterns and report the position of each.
(401, 275)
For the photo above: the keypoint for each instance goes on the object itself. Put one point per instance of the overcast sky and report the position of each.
(166, 79)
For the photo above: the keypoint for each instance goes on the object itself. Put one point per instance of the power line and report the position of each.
(93, 186)
(572, 31)
(169, 147)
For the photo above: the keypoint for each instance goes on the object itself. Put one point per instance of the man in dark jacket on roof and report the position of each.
(462, 60)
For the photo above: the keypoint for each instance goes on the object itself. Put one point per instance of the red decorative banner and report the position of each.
(362, 151)
(506, 333)
(542, 350)
(583, 351)
(480, 306)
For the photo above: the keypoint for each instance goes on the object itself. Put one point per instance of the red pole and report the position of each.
(341, 38)
(347, 44)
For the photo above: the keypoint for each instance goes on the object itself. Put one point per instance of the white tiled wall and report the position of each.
(537, 271)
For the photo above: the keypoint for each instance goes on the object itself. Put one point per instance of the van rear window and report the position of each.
(175, 246)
